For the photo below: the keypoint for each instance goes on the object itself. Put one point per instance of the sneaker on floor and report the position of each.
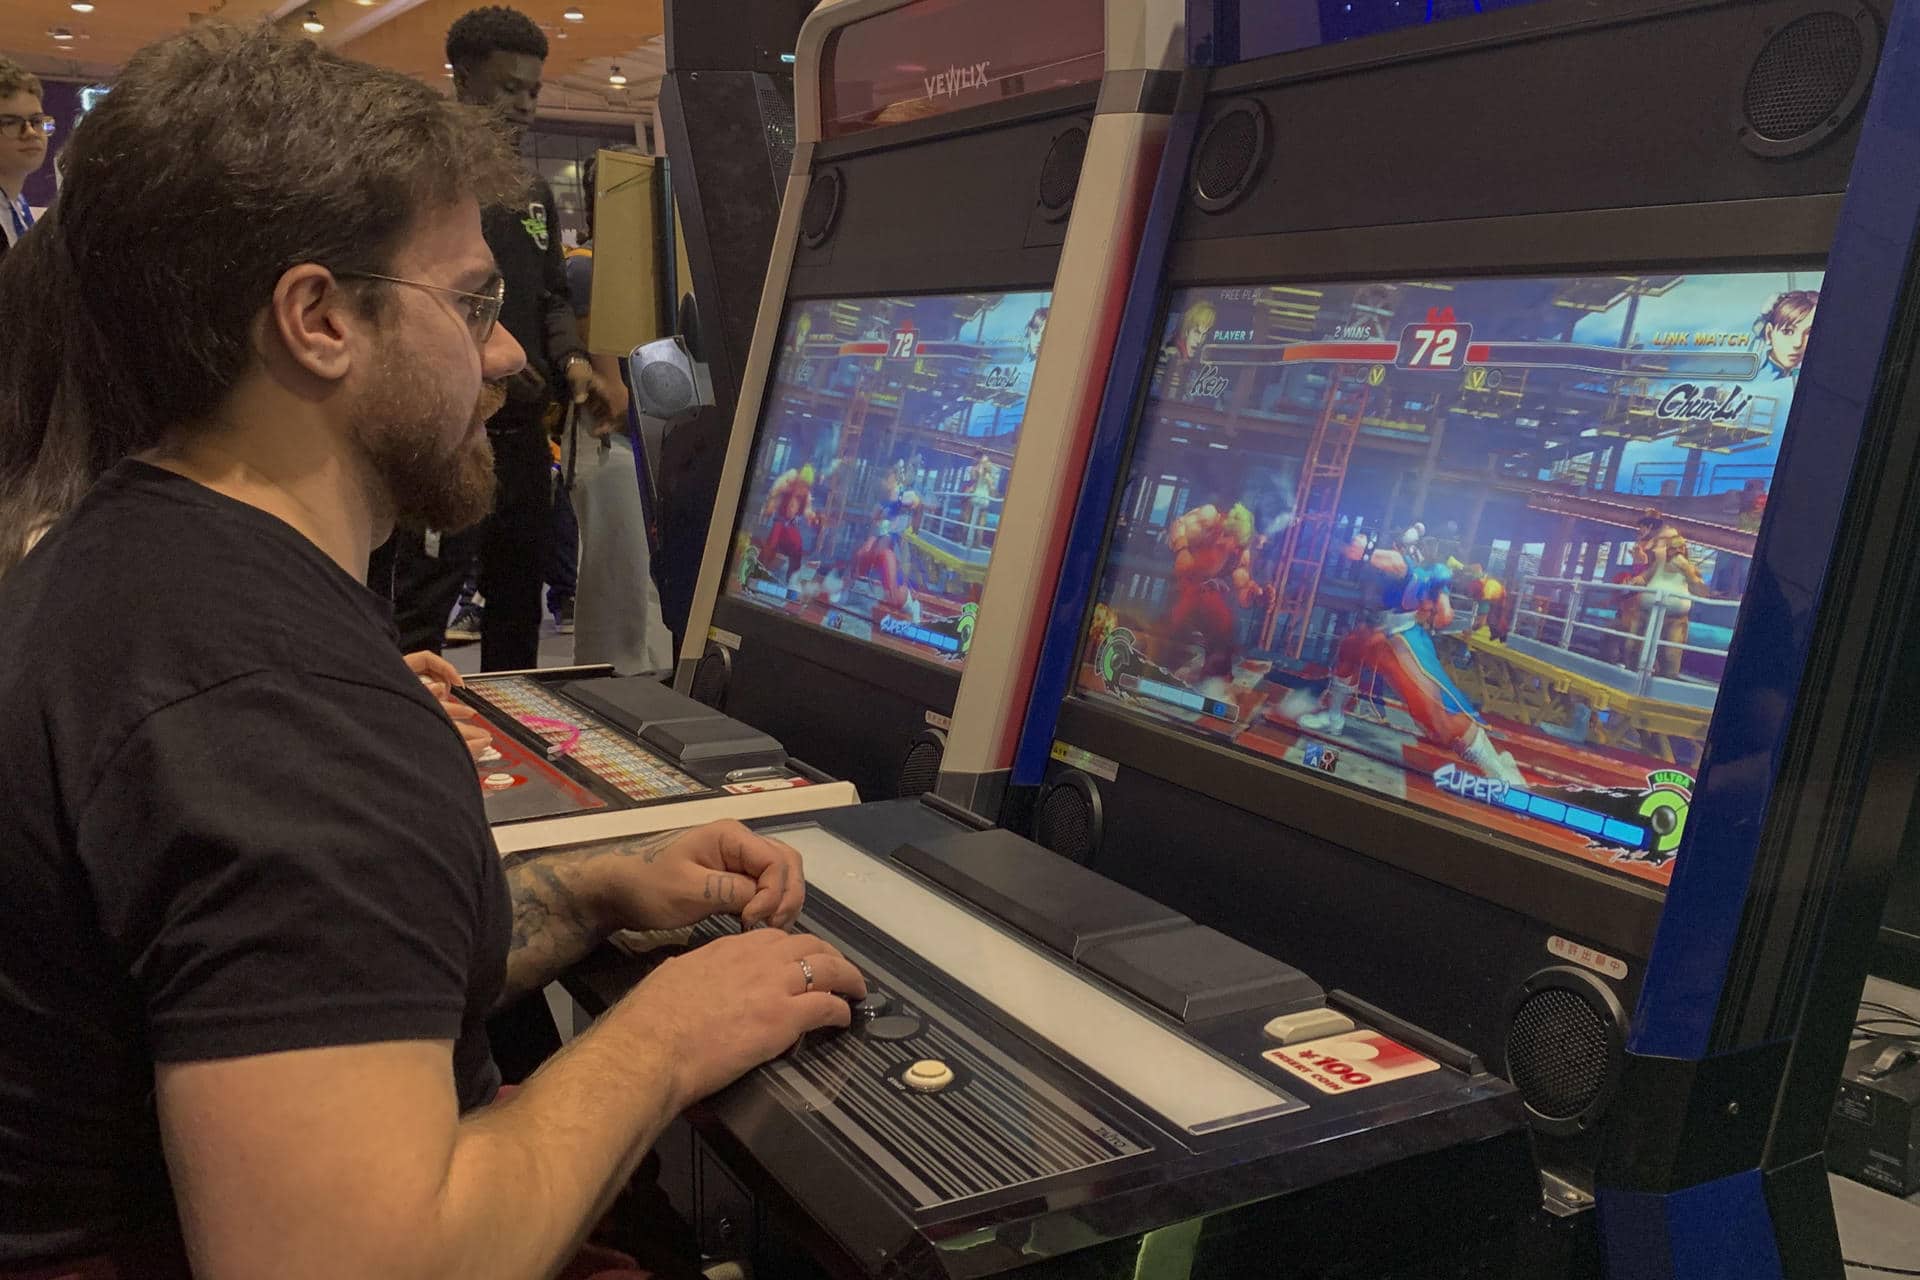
(465, 627)
(563, 617)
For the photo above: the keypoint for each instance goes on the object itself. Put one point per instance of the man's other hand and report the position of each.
(680, 879)
(441, 679)
(596, 384)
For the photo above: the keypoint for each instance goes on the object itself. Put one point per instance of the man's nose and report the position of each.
(503, 356)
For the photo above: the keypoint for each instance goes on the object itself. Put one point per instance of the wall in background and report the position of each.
(557, 150)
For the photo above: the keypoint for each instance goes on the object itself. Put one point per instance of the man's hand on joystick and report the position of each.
(739, 1001)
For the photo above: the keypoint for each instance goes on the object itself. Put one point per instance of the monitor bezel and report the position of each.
(925, 679)
(1587, 900)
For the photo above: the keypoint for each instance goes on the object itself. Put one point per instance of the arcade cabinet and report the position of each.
(1434, 502)
(726, 107)
(581, 754)
(902, 418)
(1050, 1075)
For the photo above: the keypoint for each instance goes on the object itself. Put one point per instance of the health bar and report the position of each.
(1341, 352)
(1737, 366)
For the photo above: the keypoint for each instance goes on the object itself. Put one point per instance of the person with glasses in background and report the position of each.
(24, 131)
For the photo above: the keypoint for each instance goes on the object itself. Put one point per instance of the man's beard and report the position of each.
(401, 426)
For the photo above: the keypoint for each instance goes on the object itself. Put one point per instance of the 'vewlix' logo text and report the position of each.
(954, 79)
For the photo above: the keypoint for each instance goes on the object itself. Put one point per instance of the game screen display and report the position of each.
(1476, 545)
(873, 497)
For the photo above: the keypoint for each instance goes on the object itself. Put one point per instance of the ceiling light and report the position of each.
(61, 34)
(617, 79)
(81, 6)
(313, 24)
(573, 14)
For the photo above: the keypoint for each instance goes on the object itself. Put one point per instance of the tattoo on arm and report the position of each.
(552, 928)
(553, 919)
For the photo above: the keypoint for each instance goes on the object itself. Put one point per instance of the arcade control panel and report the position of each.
(1050, 1070)
(571, 742)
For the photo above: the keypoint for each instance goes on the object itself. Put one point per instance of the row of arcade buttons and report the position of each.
(874, 1017)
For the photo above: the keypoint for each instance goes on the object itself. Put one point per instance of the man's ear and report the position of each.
(311, 317)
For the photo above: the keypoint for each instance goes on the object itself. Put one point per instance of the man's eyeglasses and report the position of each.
(481, 313)
(25, 126)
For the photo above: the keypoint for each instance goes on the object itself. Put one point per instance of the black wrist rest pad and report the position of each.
(1186, 970)
(687, 731)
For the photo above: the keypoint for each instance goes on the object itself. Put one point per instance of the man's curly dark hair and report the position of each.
(494, 28)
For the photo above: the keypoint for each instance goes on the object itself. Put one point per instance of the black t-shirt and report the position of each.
(231, 822)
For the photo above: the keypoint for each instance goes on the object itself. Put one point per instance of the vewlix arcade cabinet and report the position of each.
(1430, 495)
(947, 275)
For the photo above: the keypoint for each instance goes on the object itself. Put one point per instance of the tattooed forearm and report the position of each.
(552, 927)
(554, 921)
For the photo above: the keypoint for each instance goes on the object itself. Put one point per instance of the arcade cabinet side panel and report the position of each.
(727, 108)
(1116, 183)
(723, 512)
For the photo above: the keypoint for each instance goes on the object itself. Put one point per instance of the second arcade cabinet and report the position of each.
(933, 331)
(1410, 567)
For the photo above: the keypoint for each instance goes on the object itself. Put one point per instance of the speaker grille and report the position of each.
(663, 384)
(1065, 823)
(776, 117)
(1558, 1053)
(1231, 154)
(1060, 175)
(711, 676)
(1803, 75)
(921, 769)
(822, 208)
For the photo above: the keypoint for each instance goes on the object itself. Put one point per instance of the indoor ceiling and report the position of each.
(408, 35)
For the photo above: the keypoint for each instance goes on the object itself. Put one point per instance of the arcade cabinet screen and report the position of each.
(1477, 545)
(873, 499)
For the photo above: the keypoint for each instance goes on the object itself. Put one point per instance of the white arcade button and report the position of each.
(929, 1075)
(498, 781)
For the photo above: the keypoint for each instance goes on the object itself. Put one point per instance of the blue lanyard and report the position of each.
(22, 216)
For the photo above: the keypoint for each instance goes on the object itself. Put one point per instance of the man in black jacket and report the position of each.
(498, 55)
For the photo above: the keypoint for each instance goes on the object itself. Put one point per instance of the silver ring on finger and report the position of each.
(806, 971)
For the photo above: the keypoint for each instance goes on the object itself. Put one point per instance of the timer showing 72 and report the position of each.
(1433, 346)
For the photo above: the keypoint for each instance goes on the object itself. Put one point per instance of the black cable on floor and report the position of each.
(1874, 1266)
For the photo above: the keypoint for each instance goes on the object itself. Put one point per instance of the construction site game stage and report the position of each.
(1476, 545)
(874, 496)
